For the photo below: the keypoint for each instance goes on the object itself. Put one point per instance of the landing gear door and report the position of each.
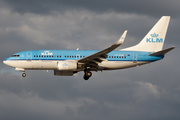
(134, 57)
(29, 56)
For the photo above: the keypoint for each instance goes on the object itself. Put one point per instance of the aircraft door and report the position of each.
(77, 56)
(29, 56)
(134, 57)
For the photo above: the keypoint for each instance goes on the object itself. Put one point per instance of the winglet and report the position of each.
(102, 55)
(122, 38)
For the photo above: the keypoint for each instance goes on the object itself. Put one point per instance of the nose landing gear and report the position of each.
(24, 75)
(87, 74)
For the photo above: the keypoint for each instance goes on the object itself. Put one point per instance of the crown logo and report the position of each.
(122, 38)
(65, 64)
(154, 35)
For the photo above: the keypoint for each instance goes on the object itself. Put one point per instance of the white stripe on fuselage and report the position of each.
(52, 65)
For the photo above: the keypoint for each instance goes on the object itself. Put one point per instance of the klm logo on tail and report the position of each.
(154, 39)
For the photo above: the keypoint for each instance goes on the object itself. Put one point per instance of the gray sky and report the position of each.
(147, 92)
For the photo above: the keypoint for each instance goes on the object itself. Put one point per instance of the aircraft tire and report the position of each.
(87, 75)
(86, 78)
(24, 75)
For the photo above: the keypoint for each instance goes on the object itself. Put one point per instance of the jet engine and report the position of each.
(64, 73)
(67, 65)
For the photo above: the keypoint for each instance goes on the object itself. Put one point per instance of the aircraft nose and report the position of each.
(5, 62)
(8, 62)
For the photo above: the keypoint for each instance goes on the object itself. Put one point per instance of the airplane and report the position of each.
(70, 62)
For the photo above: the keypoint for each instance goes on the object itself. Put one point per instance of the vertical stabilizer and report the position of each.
(155, 38)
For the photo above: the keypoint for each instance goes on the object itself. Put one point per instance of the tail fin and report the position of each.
(155, 38)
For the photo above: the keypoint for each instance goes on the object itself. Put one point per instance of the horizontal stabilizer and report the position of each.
(162, 52)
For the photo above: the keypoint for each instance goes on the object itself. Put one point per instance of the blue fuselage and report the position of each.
(61, 55)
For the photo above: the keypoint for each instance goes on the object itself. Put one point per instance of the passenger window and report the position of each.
(49, 56)
(39, 56)
(114, 56)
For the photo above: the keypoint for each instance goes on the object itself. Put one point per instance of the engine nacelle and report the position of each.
(67, 65)
(63, 73)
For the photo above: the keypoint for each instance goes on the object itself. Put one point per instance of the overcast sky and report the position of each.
(149, 92)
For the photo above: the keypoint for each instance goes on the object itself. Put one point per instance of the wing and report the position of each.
(102, 55)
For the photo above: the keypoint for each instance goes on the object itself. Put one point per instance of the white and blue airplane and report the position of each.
(69, 62)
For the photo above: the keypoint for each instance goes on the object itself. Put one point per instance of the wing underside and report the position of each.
(100, 56)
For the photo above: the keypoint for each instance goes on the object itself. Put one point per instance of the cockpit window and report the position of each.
(15, 55)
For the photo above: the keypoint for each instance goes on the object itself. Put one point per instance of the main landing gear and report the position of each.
(87, 74)
(24, 74)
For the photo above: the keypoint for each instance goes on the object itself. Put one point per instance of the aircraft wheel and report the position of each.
(87, 75)
(24, 75)
(86, 78)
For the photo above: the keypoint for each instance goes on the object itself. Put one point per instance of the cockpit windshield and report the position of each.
(15, 55)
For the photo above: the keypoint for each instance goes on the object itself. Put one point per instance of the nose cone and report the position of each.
(5, 62)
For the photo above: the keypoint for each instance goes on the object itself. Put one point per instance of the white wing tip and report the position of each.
(122, 38)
